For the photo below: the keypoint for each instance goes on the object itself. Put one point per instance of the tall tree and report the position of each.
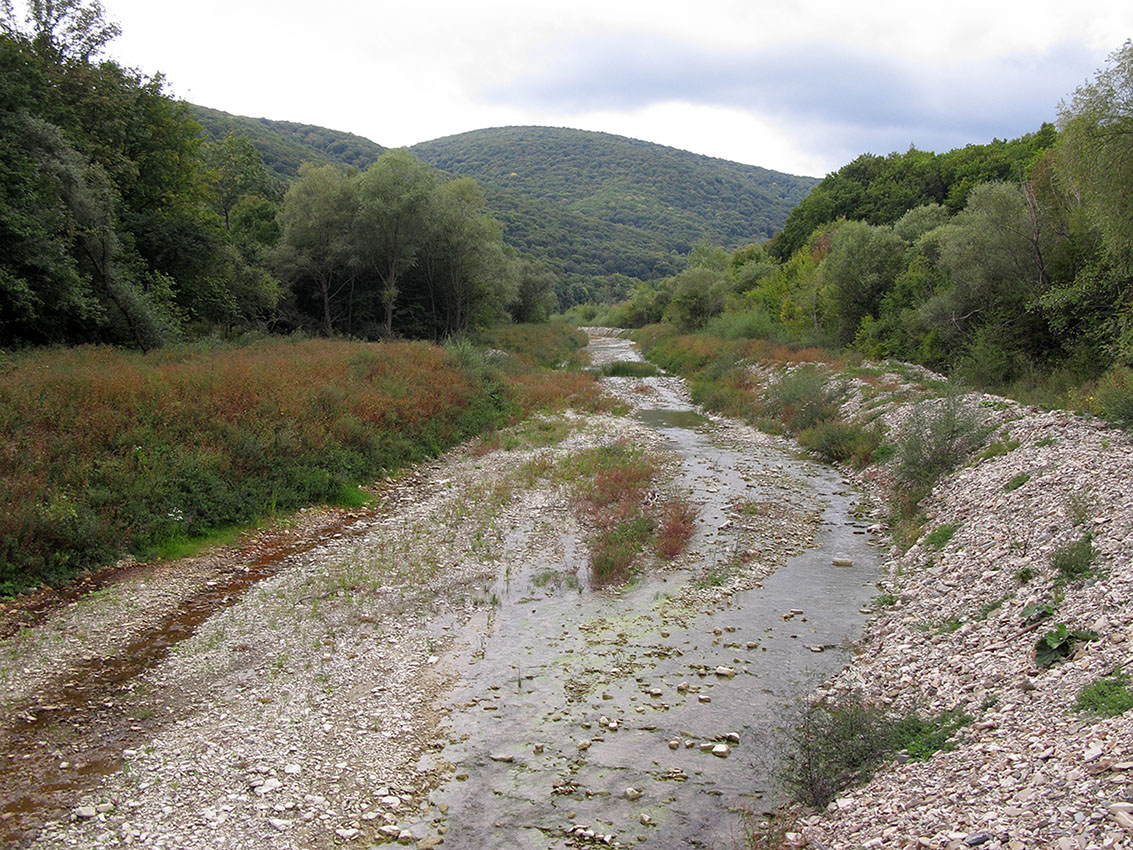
(315, 254)
(394, 196)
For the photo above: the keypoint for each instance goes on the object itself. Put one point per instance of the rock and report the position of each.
(725, 672)
(390, 830)
(292, 769)
(703, 698)
(584, 744)
(632, 793)
(508, 759)
(721, 751)
(977, 838)
(85, 812)
(538, 749)
(267, 786)
(645, 820)
(675, 743)
(732, 737)
(348, 833)
(429, 842)
(280, 824)
(842, 562)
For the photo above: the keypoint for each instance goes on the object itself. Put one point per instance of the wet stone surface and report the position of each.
(439, 669)
(650, 715)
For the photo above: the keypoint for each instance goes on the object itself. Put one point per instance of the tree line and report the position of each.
(1008, 262)
(121, 224)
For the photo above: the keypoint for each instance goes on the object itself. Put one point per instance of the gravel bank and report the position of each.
(952, 631)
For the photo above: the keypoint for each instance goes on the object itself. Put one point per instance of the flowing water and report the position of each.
(582, 717)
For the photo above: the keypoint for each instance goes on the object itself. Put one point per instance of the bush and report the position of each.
(801, 398)
(1113, 396)
(628, 369)
(837, 745)
(936, 439)
(838, 442)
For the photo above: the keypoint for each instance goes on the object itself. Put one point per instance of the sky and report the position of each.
(801, 86)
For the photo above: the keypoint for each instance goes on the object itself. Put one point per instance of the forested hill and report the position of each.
(285, 145)
(597, 205)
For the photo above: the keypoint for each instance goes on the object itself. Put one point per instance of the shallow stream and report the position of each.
(585, 717)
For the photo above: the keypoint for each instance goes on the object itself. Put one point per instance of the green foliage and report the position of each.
(1113, 396)
(1037, 611)
(114, 453)
(938, 538)
(837, 745)
(1058, 644)
(628, 369)
(840, 442)
(1075, 560)
(937, 438)
(998, 449)
(285, 146)
(1017, 481)
(595, 206)
(802, 397)
(1109, 696)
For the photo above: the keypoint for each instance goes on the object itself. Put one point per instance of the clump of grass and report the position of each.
(628, 369)
(1109, 696)
(938, 538)
(1017, 481)
(838, 442)
(1075, 560)
(676, 527)
(612, 485)
(998, 449)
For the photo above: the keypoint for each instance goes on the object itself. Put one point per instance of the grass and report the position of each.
(612, 487)
(1075, 560)
(1017, 481)
(1109, 696)
(109, 452)
(939, 537)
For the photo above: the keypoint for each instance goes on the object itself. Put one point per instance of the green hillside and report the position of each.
(285, 145)
(597, 205)
(599, 209)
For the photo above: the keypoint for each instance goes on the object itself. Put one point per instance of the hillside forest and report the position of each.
(120, 223)
(1009, 263)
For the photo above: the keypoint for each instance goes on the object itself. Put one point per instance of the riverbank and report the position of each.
(1032, 538)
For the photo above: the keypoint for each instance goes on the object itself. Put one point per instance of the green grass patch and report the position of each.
(998, 449)
(1017, 481)
(939, 537)
(628, 369)
(1109, 696)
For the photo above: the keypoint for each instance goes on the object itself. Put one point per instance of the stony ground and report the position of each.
(296, 716)
(953, 630)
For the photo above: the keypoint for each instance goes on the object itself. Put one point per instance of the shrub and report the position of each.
(1113, 396)
(801, 398)
(837, 442)
(1075, 560)
(837, 745)
(936, 439)
(1107, 697)
(628, 369)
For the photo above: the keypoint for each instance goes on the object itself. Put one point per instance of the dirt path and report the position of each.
(438, 669)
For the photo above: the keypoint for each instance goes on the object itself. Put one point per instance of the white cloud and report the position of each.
(402, 73)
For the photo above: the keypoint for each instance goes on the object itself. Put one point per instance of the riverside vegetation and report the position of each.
(109, 452)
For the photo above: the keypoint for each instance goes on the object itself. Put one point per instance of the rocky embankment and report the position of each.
(957, 624)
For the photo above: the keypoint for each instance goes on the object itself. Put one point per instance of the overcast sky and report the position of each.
(800, 86)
